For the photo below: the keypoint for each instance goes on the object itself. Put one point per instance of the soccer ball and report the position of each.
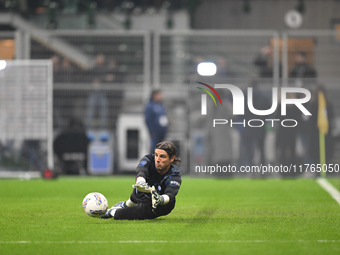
(95, 204)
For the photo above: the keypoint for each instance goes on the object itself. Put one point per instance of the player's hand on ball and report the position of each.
(156, 198)
(142, 186)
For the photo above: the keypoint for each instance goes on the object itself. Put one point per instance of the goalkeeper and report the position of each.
(157, 184)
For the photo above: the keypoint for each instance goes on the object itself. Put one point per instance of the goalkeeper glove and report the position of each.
(156, 198)
(142, 186)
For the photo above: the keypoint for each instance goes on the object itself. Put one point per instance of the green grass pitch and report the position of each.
(212, 216)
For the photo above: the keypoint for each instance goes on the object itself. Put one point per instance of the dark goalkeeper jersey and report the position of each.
(167, 184)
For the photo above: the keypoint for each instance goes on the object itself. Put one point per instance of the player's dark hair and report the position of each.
(170, 148)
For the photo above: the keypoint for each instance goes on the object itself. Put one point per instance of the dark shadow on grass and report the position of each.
(208, 216)
(201, 217)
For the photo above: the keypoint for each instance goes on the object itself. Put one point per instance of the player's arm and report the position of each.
(173, 187)
(142, 173)
(169, 194)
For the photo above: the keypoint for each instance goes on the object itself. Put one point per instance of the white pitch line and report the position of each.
(169, 242)
(330, 189)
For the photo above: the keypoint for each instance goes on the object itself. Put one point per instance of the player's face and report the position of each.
(162, 161)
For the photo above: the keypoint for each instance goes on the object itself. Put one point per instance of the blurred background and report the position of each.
(77, 76)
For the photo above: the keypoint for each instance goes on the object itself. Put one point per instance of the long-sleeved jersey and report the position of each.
(167, 184)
